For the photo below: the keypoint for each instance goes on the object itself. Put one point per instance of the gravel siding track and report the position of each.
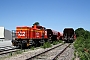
(29, 54)
(51, 54)
(68, 54)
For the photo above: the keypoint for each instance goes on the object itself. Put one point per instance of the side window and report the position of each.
(45, 32)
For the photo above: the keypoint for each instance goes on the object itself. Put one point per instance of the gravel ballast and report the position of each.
(29, 54)
(67, 55)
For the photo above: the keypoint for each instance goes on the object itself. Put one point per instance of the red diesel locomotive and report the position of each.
(26, 36)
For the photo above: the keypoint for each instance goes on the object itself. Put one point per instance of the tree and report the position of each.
(87, 34)
(80, 32)
(36, 23)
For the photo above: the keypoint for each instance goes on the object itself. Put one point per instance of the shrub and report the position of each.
(32, 48)
(82, 44)
(55, 42)
(46, 45)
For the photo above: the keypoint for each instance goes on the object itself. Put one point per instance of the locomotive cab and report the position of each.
(20, 36)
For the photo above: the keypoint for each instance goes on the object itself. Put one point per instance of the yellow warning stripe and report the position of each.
(36, 31)
(30, 30)
(22, 29)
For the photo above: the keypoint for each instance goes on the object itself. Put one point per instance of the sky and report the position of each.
(54, 14)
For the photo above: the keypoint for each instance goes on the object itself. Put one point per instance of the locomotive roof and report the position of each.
(68, 29)
(39, 26)
(23, 26)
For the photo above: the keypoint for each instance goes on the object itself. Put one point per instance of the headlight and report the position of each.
(13, 38)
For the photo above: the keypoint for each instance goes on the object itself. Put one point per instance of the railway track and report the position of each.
(58, 55)
(51, 54)
(7, 49)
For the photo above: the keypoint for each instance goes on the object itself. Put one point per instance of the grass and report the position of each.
(55, 42)
(32, 48)
(73, 59)
(46, 45)
(19, 51)
(60, 41)
(82, 47)
(12, 54)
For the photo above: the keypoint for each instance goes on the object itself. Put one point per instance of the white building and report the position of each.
(5, 34)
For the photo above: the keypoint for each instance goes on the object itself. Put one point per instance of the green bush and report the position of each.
(32, 48)
(55, 42)
(82, 44)
(19, 51)
(46, 45)
(60, 41)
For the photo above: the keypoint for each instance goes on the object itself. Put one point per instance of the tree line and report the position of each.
(82, 43)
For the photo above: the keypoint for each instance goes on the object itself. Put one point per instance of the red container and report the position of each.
(61, 36)
(74, 36)
(55, 32)
(58, 36)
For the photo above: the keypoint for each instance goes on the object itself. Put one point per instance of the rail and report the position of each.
(44, 52)
(55, 58)
(7, 49)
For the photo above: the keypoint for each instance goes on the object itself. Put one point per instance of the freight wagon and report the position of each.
(69, 35)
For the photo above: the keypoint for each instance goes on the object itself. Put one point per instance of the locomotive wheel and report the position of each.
(42, 41)
(36, 43)
(21, 46)
(71, 41)
(66, 41)
(50, 41)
